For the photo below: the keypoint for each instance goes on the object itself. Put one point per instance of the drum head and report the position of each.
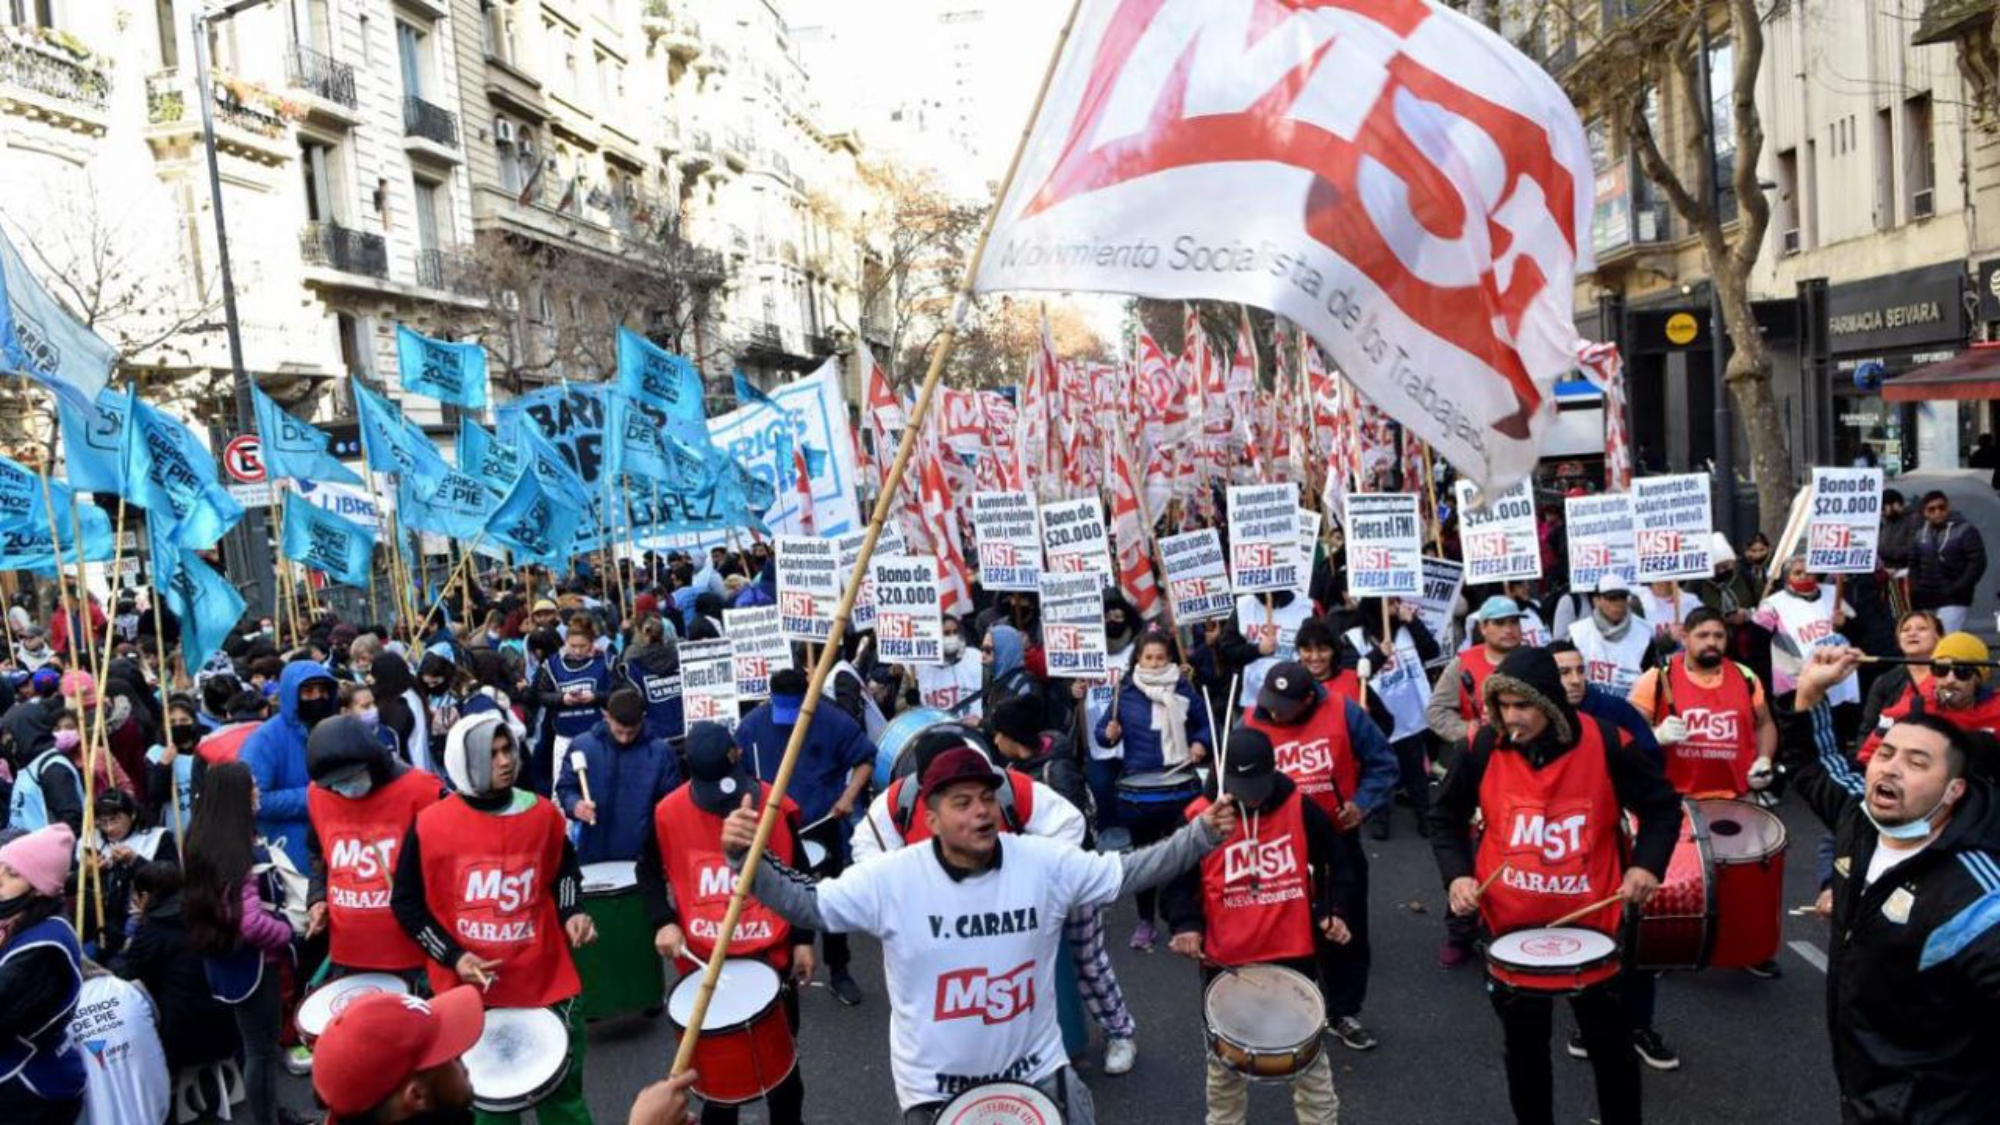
(329, 1000)
(610, 876)
(1158, 779)
(1551, 948)
(1265, 1007)
(522, 1053)
(1000, 1103)
(745, 988)
(815, 853)
(1740, 832)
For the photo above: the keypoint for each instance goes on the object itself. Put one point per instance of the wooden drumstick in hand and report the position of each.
(1489, 881)
(1581, 911)
(581, 765)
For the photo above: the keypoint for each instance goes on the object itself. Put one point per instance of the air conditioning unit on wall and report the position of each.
(1923, 204)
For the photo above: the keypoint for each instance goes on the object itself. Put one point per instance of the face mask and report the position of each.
(186, 736)
(67, 740)
(1915, 830)
(370, 717)
(353, 788)
(953, 646)
(1804, 587)
(311, 711)
(12, 906)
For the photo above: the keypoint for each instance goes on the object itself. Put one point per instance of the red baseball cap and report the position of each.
(379, 1041)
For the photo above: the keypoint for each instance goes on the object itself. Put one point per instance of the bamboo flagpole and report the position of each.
(891, 484)
(68, 610)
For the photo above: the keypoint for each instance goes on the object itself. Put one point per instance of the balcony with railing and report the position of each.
(699, 155)
(423, 121)
(677, 31)
(736, 149)
(52, 75)
(715, 60)
(250, 121)
(335, 247)
(324, 79)
(739, 242)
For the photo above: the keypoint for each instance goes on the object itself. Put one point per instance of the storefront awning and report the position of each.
(1971, 374)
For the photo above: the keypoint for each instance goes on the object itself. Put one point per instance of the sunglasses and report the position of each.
(1946, 670)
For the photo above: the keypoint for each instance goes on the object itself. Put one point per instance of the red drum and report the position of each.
(1747, 846)
(1678, 923)
(746, 1046)
(1552, 959)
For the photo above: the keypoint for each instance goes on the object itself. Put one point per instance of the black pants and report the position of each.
(1343, 969)
(1412, 778)
(786, 1103)
(1149, 824)
(1528, 1021)
(832, 834)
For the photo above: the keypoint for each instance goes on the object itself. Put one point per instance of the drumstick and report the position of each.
(578, 762)
(1222, 740)
(1489, 881)
(815, 824)
(1575, 914)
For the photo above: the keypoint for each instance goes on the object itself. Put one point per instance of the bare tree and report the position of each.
(1002, 336)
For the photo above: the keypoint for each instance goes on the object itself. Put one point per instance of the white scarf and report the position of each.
(1170, 708)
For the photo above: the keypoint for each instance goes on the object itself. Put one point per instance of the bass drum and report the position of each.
(890, 760)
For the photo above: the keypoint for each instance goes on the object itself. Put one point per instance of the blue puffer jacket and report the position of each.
(276, 755)
(626, 782)
(1141, 741)
(835, 744)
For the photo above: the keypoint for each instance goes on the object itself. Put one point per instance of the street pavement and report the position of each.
(1752, 1050)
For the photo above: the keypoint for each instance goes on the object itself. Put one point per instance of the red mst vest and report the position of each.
(359, 841)
(1346, 684)
(1557, 830)
(1315, 754)
(690, 840)
(1476, 666)
(1722, 732)
(490, 881)
(918, 828)
(1256, 891)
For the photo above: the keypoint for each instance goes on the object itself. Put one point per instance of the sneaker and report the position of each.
(1653, 1050)
(1352, 1034)
(299, 1060)
(844, 989)
(1768, 970)
(1576, 1048)
(1143, 936)
(1451, 955)
(1119, 1054)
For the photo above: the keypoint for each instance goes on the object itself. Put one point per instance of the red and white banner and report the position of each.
(1131, 532)
(1388, 174)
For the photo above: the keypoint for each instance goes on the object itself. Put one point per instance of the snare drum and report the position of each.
(1677, 924)
(521, 1057)
(746, 1047)
(1747, 846)
(332, 998)
(890, 760)
(1264, 1021)
(1000, 1103)
(1552, 959)
(815, 853)
(1160, 788)
(620, 971)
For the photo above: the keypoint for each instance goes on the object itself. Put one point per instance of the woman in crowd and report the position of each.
(122, 844)
(41, 976)
(401, 709)
(195, 1027)
(229, 911)
(1917, 635)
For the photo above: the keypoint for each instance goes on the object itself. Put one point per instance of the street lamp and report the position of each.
(252, 536)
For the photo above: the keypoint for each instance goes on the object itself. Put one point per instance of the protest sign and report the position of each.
(1498, 541)
(1671, 526)
(1073, 539)
(1384, 545)
(708, 683)
(909, 611)
(809, 577)
(1073, 625)
(812, 416)
(1600, 539)
(1010, 543)
(758, 645)
(1263, 537)
(1845, 529)
(1309, 521)
(890, 542)
(1443, 579)
(1197, 580)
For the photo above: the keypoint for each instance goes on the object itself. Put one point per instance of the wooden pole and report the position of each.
(68, 610)
(166, 709)
(445, 589)
(905, 448)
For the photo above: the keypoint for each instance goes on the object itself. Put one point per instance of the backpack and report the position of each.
(28, 807)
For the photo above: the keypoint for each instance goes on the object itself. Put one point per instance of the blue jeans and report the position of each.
(1102, 774)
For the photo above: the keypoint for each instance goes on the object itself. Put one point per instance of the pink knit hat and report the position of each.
(42, 857)
(79, 688)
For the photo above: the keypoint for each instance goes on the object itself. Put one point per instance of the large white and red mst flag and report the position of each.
(1388, 174)
(1131, 529)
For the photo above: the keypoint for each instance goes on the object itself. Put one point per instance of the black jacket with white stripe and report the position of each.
(1913, 975)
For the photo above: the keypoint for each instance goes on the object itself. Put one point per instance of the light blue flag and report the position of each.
(452, 504)
(559, 479)
(389, 442)
(440, 369)
(658, 378)
(534, 525)
(172, 475)
(21, 495)
(341, 548)
(40, 339)
(204, 602)
(25, 543)
(480, 454)
(93, 436)
(784, 435)
(293, 449)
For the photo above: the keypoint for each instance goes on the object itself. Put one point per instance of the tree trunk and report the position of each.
(1748, 376)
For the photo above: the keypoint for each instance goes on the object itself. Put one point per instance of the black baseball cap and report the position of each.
(715, 779)
(1289, 691)
(1250, 766)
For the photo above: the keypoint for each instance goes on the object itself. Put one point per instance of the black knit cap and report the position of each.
(1019, 717)
(1532, 674)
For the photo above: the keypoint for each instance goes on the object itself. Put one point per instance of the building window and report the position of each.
(431, 213)
(1920, 156)
(516, 146)
(1885, 171)
(1787, 209)
(410, 57)
(32, 13)
(167, 29)
(500, 31)
(318, 164)
(1722, 123)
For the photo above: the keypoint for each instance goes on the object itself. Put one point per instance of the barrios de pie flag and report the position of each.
(1388, 174)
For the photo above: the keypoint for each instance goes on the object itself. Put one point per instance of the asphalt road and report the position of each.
(1753, 1050)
